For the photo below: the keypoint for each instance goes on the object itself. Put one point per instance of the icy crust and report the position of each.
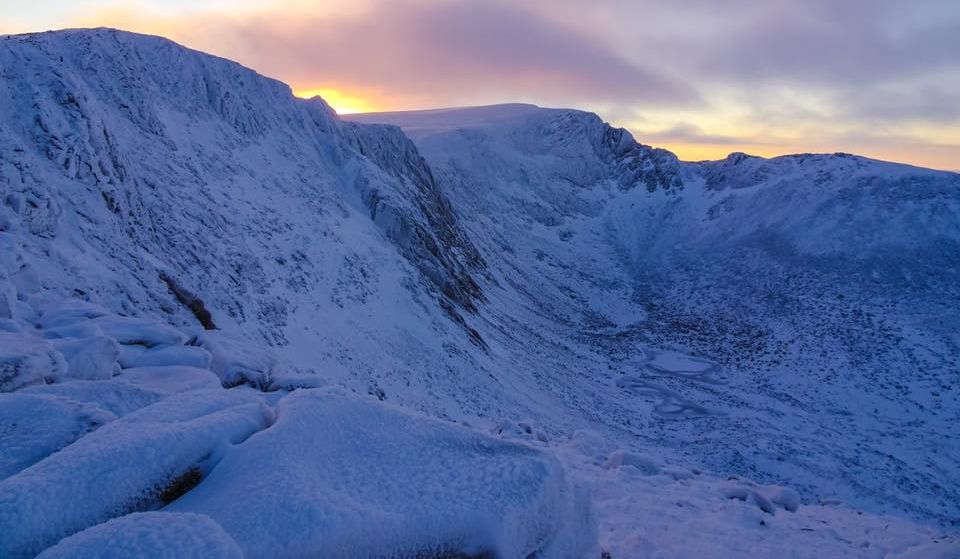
(159, 535)
(122, 467)
(234, 360)
(348, 478)
(33, 426)
(302, 473)
(26, 360)
(646, 508)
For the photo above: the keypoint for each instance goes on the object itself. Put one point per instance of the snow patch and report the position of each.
(139, 331)
(622, 458)
(149, 534)
(33, 426)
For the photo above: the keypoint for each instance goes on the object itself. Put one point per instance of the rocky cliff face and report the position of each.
(127, 161)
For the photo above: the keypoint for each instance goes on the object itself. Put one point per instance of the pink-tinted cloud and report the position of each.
(430, 53)
(702, 73)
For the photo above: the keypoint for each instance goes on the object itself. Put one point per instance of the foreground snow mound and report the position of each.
(33, 426)
(128, 465)
(340, 477)
(26, 360)
(129, 391)
(149, 534)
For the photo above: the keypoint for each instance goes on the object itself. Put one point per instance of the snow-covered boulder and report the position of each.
(169, 379)
(115, 396)
(749, 494)
(237, 361)
(33, 426)
(139, 331)
(26, 360)
(520, 430)
(784, 497)
(766, 497)
(189, 356)
(129, 354)
(125, 466)
(622, 458)
(338, 477)
(89, 358)
(66, 312)
(84, 329)
(160, 535)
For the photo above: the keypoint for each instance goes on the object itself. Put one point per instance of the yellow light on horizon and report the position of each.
(341, 102)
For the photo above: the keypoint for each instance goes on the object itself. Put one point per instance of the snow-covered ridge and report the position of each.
(128, 161)
(78, 96)
(590, 149)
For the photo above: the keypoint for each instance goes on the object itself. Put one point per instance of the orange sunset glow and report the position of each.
(342, 102)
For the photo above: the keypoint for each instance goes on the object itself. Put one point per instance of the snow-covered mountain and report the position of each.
(818, 290)
(208, 286)
(134, 163)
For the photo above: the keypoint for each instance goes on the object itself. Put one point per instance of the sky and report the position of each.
(700, 77)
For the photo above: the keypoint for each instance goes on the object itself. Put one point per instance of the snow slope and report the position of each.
(189, 255)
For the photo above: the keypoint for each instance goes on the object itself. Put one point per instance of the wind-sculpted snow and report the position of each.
(346, 478)
(119, 468)
(312, 472)
(149, 534)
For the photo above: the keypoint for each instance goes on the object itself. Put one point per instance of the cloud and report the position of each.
(686, 133)
(854, 41)
(918, 102)
(878, 59)
(429, 52)
(819, 73)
